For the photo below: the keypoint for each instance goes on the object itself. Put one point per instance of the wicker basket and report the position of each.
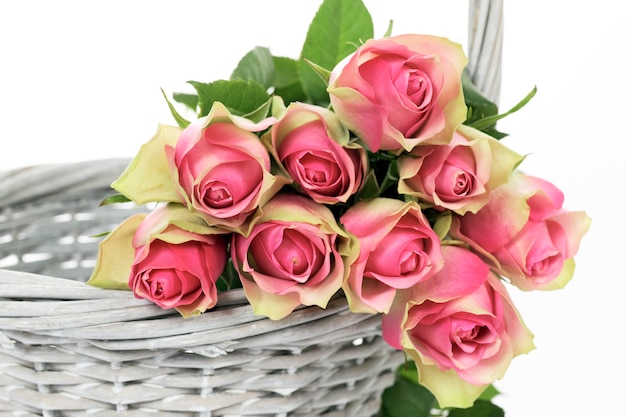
(67, 348)
(70, 349)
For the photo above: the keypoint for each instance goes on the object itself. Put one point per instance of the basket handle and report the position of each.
(485, 35)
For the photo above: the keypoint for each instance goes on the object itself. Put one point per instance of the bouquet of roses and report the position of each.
(367, 167)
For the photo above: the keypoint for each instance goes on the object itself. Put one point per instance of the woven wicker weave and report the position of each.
(70, 349)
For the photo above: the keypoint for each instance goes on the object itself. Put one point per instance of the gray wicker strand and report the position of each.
(70, 349)
(485, 32)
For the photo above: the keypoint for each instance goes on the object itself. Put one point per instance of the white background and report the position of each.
(81, 80)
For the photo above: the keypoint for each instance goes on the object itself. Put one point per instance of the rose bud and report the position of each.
(400, 91)
(457, 176)
(397, 249)
(293, 255)
(525, 234)
(222, 168)
(460, 327)
(169, 256)
(315, 150)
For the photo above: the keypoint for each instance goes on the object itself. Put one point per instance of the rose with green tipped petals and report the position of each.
(222, 169)
(401, 91)
(397, 249)
(293, 255)
(525, 234)
(459, 175)
(169, 256)
(315, 150)
(460, 327)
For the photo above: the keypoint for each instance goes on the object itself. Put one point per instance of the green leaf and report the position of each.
(389, 29)
(277, 73)
(481, 408)
(180, 120)
(489, 393)
(407, 398)
(482, 113)
(260, 112)
(189, 100)
(240, 97)
(370, 188)
(323, 73)
(391, 177)
(338, 27)
(114, 199)
(409, 371)
(256, 65)
(478, 106)
(489, 121)
(287, 80)
(229, 278)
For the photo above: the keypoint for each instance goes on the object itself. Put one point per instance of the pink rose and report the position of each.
(397, 249)
(460, 327)
(178, 259)
(222, 168)
(397, 92)
(457, 176)
(293, 255)
(315, 150)
(525, 234)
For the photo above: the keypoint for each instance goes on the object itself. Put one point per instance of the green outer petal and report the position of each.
(148, 177)
(278, 106)
(181, 217)
(505, 160)
(447, 387)
(116, 256)
(219, 113)
(365, 120)
(299, 209)
(274, 306)
(187, 311)
(302, 113)
(187, 226)
(442, 225)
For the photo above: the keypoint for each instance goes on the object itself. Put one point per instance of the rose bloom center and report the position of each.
(289, 254)
(418, 88)
(463, 183)
(218, 195)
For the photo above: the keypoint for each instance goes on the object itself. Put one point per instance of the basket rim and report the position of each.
(58, 180)
(68, 309)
